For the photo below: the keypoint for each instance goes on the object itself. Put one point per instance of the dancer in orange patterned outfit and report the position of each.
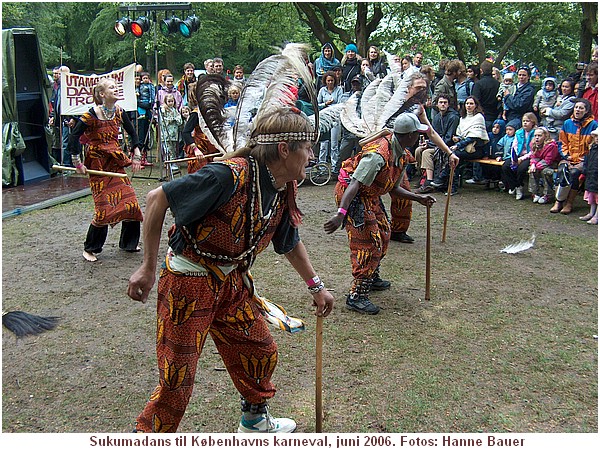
(196, 144)
(376, 170)
(114, 198)
(239, 206)
(197, 136)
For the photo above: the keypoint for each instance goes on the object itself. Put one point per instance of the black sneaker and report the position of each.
(438, 183)
(380, 284)
(361, 304)
(426, 188)
(401, 236)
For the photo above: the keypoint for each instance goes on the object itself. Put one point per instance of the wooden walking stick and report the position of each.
(319, 370)
(91, 172)
(192, 158)
(449, 194)
(428, 255)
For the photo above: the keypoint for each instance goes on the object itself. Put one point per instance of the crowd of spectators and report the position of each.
(481, 111)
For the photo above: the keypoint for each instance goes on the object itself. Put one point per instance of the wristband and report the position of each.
(316, 289)
(312, 282)
(343, 211)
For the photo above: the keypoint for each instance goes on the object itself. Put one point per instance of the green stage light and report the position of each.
(170, 25)
(189, 25)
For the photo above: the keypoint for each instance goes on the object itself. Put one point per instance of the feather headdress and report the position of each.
(272, 85)
(211, 94)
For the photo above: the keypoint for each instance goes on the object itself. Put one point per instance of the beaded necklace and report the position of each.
(108, 113)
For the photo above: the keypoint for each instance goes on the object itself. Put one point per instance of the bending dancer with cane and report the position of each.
(376, 170)
(239, 206)
(114, 198)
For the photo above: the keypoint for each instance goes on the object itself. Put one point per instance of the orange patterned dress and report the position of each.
(114, 198)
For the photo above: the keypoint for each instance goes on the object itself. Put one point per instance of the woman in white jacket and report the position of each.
(471, 135)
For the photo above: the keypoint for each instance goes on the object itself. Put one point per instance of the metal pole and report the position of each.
(158, 119)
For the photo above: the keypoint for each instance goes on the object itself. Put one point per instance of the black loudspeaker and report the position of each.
(33, 164)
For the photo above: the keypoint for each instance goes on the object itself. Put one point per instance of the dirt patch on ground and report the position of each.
(505, 344)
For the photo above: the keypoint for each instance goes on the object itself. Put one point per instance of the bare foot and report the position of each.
(593, 220)
(586, 217)
(89, 256)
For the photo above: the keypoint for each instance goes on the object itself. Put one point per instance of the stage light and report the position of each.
(123, 26)
(140, 26)
(169, 26)
(189, 25)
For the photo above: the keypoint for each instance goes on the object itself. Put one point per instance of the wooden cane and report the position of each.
(91, 171)
(449, 194)
(428, 254)
(172, 161)
(319, 379)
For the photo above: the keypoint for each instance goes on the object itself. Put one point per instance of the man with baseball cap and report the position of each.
(375, 171)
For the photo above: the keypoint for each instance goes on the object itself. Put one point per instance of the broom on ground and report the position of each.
(25, 324)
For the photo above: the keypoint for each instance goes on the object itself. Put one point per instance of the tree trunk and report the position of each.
(589, 30)
(92, 55)
(324, 28)
(170, 58)
(520, 31)
(360, 28)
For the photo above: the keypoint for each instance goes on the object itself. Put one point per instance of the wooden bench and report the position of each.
(488, 161)
(491, 162)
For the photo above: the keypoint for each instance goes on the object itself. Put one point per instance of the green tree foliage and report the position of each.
(546, 34)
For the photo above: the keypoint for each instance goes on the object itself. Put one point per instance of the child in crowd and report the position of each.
(590, 170)
(508, 84)
(491, 151)
(234, 93)
(185, 114)
(145, 104)
(544, 159)
(171, 120)
(515, 169)
(546, 98)
(504, 145)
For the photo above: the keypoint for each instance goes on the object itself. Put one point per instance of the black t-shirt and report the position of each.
(193, 197)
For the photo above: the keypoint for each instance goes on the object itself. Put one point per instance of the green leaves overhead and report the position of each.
(546, 34)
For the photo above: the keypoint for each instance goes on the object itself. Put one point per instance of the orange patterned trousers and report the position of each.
(401, 209)
(189, 308)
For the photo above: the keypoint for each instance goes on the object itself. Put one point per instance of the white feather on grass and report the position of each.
(520, 247)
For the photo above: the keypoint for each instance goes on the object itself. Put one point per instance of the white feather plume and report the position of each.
(519, 247)
(252, 97)
(351, 119)
(368, 114)
(393, 104)
(377, 103)
(328, 118)
(270, 87)
(395, 67)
